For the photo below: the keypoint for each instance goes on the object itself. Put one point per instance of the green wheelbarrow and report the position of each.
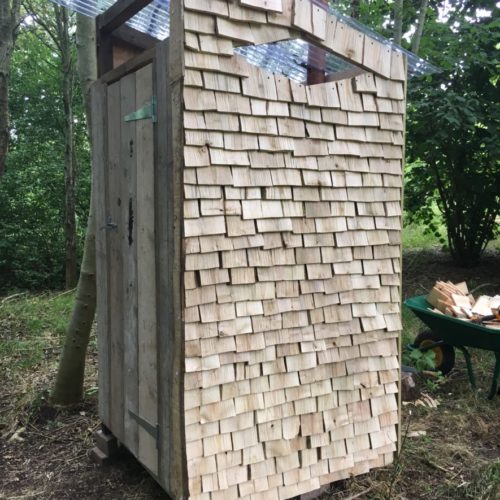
(446, 333)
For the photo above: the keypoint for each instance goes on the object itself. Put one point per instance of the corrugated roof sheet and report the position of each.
(292, 58)
(288, 58)
(153, 19)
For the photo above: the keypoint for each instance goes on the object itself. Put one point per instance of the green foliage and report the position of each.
(376, 14)
(453, 120)
(414, 237)
(31, 328)
(453, 135)
(423, 360)
(32, 190)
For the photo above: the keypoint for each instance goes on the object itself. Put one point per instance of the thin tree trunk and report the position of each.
(9, 21)
(355, 8)
(398, 21)
(68, 388)
(67, 65)
(417, 37)
(87, 59)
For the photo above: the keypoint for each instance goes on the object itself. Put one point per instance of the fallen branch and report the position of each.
(12, 297)
(436, 466)
(484, 285)
(66, 292)
(357, 495)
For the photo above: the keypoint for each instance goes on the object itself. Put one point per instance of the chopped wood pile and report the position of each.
(456, 300)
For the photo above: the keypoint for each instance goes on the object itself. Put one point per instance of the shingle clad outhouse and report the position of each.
(248, 179)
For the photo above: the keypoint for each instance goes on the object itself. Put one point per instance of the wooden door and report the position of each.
(124, 201)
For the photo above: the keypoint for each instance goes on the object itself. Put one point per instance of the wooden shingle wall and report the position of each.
(292, 226)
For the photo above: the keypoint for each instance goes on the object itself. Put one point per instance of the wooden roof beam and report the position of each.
(119, 13)
(134, 37)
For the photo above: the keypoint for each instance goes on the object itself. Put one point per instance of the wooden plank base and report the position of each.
(98, 457)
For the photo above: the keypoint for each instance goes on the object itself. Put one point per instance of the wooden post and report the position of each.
(104, 51)
(317, 57)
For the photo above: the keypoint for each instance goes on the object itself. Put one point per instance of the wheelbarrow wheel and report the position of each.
(445, 354)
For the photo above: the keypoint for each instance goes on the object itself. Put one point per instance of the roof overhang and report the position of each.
(289, 58)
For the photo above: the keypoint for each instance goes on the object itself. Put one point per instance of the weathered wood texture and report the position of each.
(292, 268)
(128, 233)
(117, 42)
(146, 273)
(119, 13)
(99, 181)
(115, 260)
(126, 258)
(169, 165)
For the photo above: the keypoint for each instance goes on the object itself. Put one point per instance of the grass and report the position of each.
(31, 326)
(31, 330)
(416, 238)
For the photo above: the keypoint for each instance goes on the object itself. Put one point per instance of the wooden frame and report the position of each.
(117, 42)
(119, 13)
(120, 365)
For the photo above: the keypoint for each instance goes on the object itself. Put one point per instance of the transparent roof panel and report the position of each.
(292, 58)
(154, 19)
(288, 58)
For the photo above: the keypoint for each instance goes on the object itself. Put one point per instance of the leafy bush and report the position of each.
(453, 130)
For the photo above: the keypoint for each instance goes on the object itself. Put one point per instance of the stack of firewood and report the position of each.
(455, 300)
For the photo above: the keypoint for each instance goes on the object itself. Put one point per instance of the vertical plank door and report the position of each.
(146, 275)
(124, 177)
(128, 163)
(113, 232)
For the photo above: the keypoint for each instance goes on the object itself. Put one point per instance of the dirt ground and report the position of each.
(451, 451)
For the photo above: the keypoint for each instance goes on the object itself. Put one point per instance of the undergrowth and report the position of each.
(31, 330)
(31, 327)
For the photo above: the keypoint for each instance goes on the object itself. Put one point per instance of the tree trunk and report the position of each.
(417, 37)
(67, 66)
(355, 9)
(68, 388)
(87, 59)
(398, 21)
(9, 20)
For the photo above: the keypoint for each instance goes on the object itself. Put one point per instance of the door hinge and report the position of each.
(151, 429)
(147, 111)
